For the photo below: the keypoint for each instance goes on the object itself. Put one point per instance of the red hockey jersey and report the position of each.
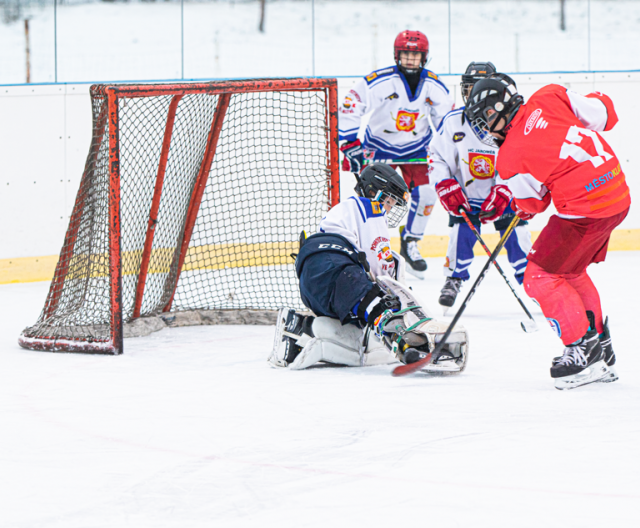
(552, 146)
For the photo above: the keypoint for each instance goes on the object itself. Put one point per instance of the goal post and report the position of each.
(191, 203)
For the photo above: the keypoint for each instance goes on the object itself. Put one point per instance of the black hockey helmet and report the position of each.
(379, 181)
(475, 72)
(491, 100)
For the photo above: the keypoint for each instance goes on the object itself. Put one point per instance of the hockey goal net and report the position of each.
(190, 205)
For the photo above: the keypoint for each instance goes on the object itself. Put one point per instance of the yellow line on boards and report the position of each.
(221, 256)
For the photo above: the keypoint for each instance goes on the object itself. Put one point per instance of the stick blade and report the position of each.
(529, 326)
(403, 370)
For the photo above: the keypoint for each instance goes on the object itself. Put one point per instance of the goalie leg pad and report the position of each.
(339, 344)
(420, 333)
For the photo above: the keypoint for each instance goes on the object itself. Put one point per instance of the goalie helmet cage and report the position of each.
(191, 202)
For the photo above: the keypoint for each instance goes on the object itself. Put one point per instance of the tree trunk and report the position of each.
(262, 7)
(27, 49)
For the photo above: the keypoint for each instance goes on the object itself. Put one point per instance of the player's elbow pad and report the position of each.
(534, 205)
(612, 116)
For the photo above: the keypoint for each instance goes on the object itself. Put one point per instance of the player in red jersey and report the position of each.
(550, 149)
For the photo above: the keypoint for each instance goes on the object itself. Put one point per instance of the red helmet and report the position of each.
(411, 41)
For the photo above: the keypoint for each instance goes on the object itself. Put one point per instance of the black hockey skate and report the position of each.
(609, 354)
(289, 329)
(582, 363)
(607, 351)
(409, 250)
(450, 291)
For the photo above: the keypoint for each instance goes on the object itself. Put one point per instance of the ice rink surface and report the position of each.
(191, 428)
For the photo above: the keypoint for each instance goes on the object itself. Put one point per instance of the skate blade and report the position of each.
(418, 274)
(529, 326)
(445, 310)
(611, 377)
(274, 362)
(595, 372)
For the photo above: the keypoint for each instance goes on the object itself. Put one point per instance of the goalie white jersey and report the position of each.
(457, 153)
(399, 127)
(363, 222)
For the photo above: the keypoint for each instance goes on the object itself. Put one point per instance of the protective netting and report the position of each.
(268, 181)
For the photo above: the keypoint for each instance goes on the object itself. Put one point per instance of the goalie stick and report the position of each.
(527, 326)
(403, 370)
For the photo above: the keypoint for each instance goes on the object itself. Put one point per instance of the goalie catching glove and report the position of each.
(452, 197)
(353, 156)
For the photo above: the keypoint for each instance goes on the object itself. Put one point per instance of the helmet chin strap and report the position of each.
(407, 71)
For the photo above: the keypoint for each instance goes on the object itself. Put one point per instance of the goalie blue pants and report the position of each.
(332, 281)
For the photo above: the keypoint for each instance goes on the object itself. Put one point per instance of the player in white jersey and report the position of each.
(464, 176)
(347, 273)
(333, 281)
(401, 100)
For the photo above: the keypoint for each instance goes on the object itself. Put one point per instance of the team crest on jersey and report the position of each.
(458, 136)
(375, 207)
(482, 166)
(368, 154)
(393, 96)
(432, 75)
(427, 210)
(371, 76)
(382, 247)
(406, 121)
(348, 102)
(429, 101)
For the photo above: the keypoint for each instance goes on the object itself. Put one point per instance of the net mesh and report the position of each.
(267, 182)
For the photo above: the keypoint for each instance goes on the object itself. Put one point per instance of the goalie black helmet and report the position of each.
(379, 181)
(492, 104)
(475, 72)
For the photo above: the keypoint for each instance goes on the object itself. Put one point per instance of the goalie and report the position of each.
(352, 282)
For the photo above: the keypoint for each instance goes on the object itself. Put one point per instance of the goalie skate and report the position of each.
(289, 339)
(414, 331)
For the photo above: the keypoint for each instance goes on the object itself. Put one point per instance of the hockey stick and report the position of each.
(414, 161)
(527, 326)
(403, 370)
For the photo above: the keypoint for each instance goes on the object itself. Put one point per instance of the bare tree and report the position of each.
(262, 8)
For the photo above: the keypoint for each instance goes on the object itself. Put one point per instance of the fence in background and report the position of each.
(99, 41)
(46, 135)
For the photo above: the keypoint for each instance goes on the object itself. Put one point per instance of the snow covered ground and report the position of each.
(191, 428)
(141, 40)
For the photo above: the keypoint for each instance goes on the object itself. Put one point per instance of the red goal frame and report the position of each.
(113, 93)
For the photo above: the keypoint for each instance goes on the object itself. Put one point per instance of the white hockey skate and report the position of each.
(413, 329)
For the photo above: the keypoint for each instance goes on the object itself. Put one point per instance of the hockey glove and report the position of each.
(353, 156)
(495, 204)
(522, 214)
(376, 308)
(452, 197)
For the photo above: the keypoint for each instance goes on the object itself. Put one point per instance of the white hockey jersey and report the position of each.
(456, 152)
(363, 222)
(399, 127)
